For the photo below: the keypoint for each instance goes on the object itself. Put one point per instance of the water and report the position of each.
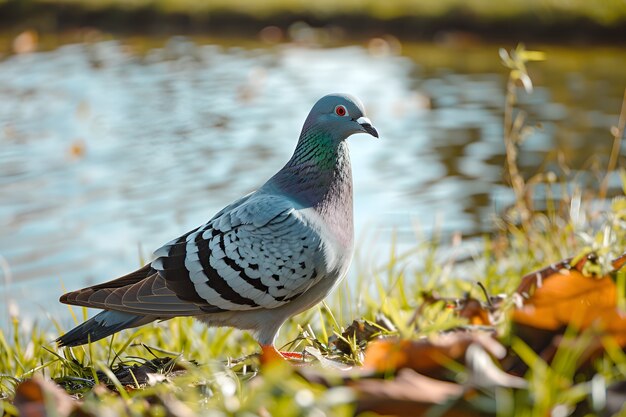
(107, 153)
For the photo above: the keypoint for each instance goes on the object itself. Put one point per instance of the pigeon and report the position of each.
(269, 255)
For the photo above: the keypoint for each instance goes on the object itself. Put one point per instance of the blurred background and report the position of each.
(123, 124)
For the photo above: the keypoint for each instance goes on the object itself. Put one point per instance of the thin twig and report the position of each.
(511, 135)
(485, 292)
(617, 144)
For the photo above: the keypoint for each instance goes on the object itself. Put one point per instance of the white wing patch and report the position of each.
(262, 253)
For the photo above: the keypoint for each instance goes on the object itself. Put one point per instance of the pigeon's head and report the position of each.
(341, 115)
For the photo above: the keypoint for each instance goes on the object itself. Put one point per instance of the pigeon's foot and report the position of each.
(269, 354)
(293, 356)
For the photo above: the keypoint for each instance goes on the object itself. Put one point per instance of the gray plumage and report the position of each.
(264, 258)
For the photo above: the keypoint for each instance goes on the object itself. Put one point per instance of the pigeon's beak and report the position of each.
(367, 127)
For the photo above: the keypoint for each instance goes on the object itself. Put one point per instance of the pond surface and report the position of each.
(108, 150)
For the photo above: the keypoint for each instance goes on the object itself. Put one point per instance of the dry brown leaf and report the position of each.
(563, 295)
(34, 397)
(361, 331)
(476, 312)
(619, 262)
(427, 356)
(484, 373)
(410, 394)
(571, 293)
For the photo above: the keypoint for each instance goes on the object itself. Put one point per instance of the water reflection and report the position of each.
(103, 150)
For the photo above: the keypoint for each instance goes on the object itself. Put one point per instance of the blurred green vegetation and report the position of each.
(606, 12)
(554, 20)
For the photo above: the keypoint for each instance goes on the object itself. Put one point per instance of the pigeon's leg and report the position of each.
(269, 354)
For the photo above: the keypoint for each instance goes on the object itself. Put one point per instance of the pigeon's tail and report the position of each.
(102, 325)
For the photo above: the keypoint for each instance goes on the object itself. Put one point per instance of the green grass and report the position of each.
(215, 372)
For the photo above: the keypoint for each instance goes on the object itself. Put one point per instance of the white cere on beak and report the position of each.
(366, 124)
(364, 121)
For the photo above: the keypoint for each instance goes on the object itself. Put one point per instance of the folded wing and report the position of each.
(260, 253)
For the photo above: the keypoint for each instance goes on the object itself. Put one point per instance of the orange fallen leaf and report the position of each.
(426, 356)
(569, 298)
(563, 295)
(619, 262)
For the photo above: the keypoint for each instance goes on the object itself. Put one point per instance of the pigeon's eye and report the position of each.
(341, 110)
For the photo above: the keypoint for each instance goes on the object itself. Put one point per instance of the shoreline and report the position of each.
(461, 25)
